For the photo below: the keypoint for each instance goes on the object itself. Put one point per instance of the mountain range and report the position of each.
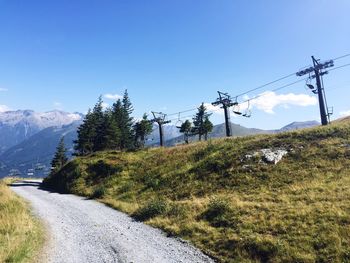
(17, 126)
(28, 139)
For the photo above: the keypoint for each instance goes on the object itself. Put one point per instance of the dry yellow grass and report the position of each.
(20, 233)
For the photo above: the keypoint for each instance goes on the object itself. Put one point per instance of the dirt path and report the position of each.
(84, 231)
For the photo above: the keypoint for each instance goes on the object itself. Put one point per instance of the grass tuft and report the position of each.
(151, 209)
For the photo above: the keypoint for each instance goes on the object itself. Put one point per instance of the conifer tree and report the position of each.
(142, 129)
(117, 115)
(84, 144)
(186, 129)
(90, 131)
(127, 132)
(110, 133)
(98, 124)
(198, 121)
(60, 157)
(207, 127)
(122, 110)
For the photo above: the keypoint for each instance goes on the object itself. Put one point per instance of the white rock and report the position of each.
(274, 157)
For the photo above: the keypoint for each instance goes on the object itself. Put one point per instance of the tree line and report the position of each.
(111, 129)
(115, 129)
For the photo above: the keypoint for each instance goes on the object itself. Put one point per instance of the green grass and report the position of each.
(21, 236)
(295, 211)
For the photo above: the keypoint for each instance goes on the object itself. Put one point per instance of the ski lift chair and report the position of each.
(179, 122)
(248, 112)
(236, 108)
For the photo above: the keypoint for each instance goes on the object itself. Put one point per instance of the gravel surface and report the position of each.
(82, 230)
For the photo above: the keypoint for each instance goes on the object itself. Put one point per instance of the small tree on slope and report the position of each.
(186, 129)
(199, 120)
(60, 158)
(142, 129)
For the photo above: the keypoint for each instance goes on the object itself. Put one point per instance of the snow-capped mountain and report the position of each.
(16, 126)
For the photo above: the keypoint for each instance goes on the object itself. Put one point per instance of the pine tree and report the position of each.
(85, 136)
(110, 133)
(198, 121)
(207, 127)
(99, 125)
(142, 129)
(117, 116)
(90, 131)
(121, 113)
(127, 131)
(186, 129)
(60, 158)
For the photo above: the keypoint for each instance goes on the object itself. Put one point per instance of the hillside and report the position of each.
(223, 197)
(297, 125)
(344, 119)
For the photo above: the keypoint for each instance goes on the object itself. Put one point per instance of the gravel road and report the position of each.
(82, 231)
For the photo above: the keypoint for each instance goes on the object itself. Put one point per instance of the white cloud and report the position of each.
(105, 105)
(344, 113)
(214, 109)
(269, 100)
(57, 105)
(3, 89)
(4, 108)
(112, 96)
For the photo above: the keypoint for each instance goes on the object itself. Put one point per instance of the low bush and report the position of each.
(99, 192)
(151, 209)
(218, 212)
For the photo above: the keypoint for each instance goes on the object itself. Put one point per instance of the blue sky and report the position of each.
(171, 55)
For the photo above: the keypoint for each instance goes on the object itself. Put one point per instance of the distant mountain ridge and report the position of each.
(16, 126)
(299, 125)
(38, 150)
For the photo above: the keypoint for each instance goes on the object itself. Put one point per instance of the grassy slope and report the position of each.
(20, 234)
(295, 211)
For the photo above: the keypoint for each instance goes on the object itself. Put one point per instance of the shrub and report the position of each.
(99, 192)
(151, 209)
(218, 213)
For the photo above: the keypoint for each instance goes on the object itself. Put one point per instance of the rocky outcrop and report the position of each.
(265, 156)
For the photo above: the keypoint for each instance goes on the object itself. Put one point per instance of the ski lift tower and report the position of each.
(318, 73)
(225, 100)
(159, 118)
